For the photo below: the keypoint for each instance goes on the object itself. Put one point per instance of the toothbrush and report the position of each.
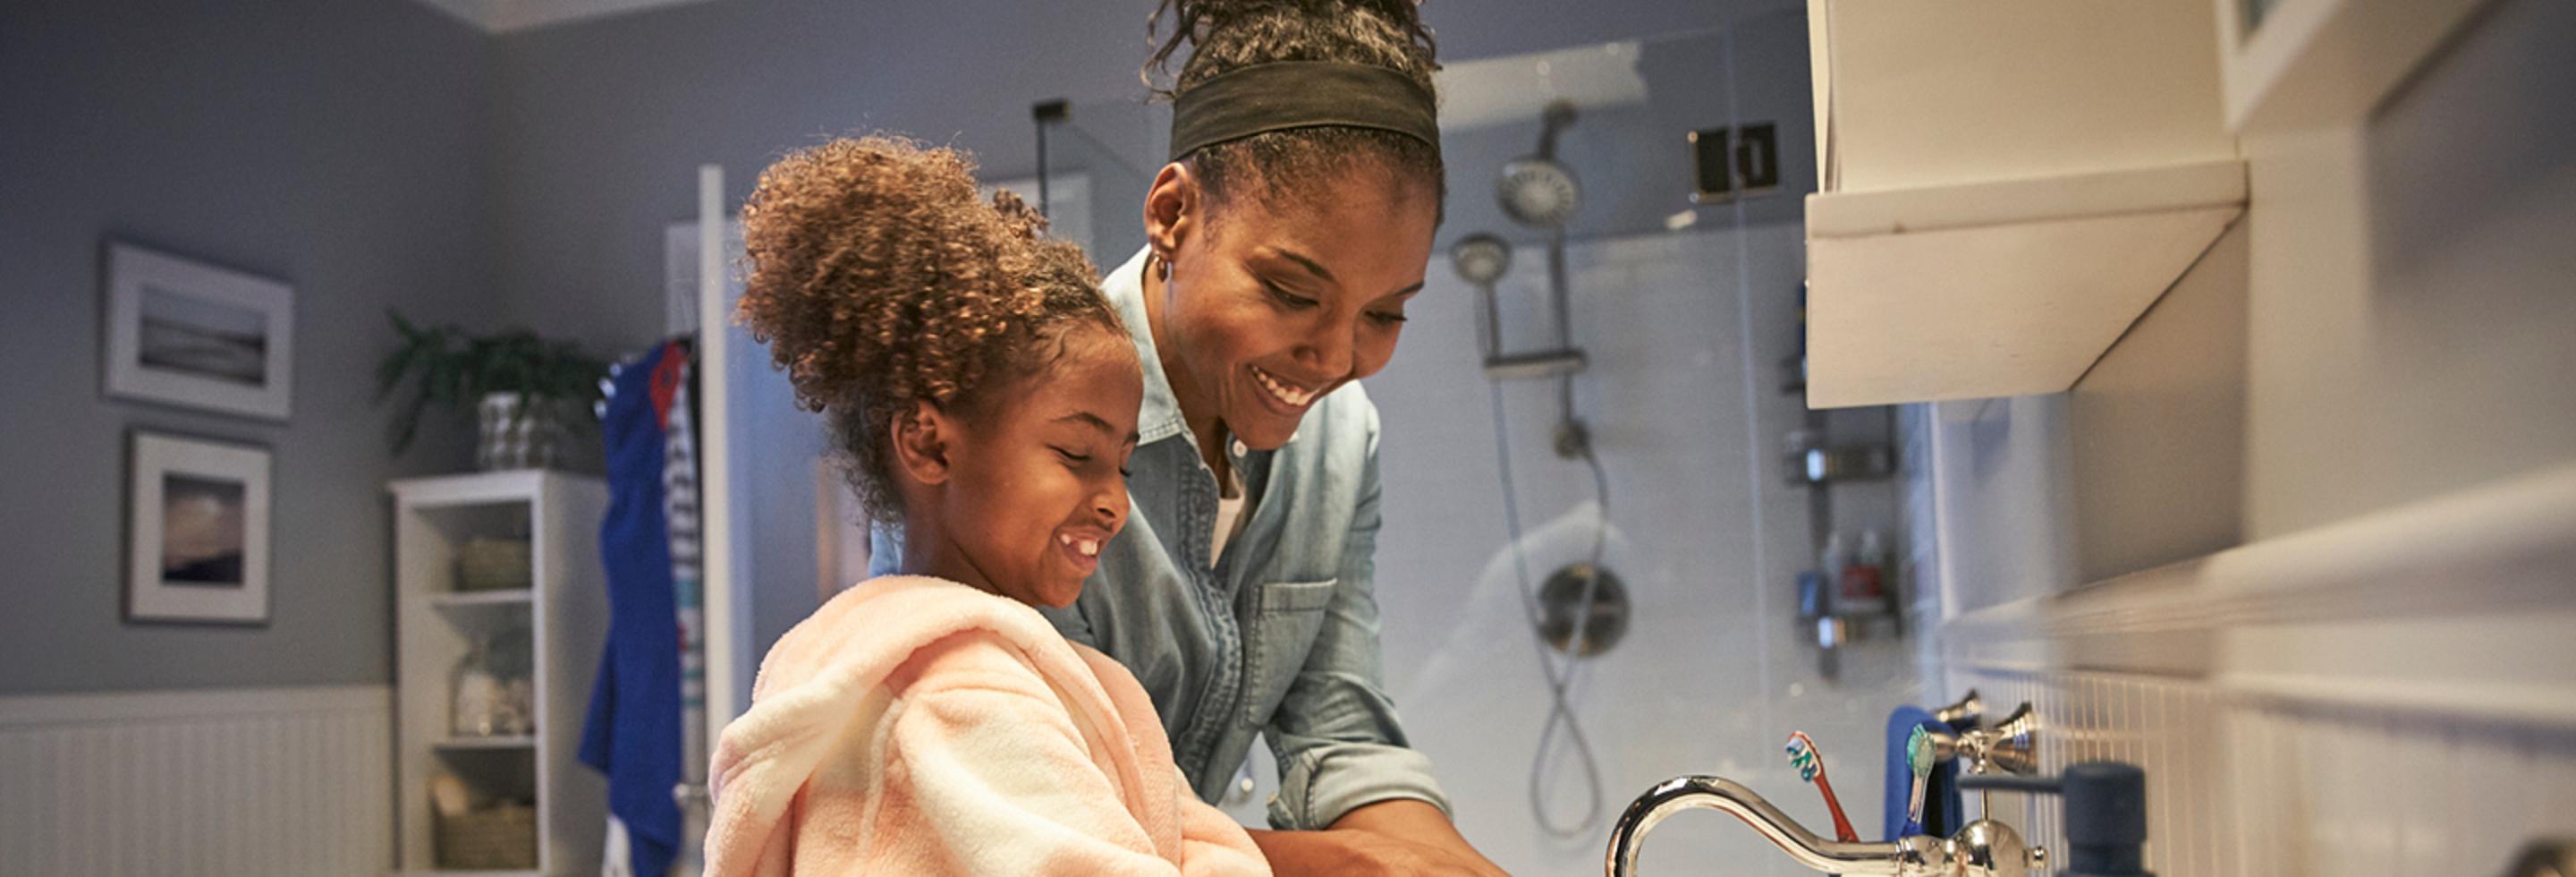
(1811, 767)
(1920, 758)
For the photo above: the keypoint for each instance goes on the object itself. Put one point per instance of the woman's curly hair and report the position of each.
(879, 277)
(1229, 35)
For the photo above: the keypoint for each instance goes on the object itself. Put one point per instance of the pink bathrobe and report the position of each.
(919, 726)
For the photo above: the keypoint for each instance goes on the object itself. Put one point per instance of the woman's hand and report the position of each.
(1352, 851)
(1402, 836)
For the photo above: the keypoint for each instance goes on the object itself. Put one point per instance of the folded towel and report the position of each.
(919, 726)
(1942, 807)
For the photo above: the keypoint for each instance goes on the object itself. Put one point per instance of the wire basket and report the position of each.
(501, 837)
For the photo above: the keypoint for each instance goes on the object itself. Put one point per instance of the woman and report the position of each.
(1285, 237)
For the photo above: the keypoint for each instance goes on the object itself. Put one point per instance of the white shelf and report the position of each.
(480, 488)
(1997, 289)
(509, 597)
(564, 611)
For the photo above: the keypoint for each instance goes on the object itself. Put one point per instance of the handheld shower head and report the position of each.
(1480, 258)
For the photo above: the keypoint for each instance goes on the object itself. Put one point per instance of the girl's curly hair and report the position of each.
(878, 277)
(1229, 35)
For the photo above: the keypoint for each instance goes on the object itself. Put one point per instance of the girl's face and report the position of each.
(1037, 485)
(1272, 306)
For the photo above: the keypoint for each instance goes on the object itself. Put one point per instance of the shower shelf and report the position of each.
(1997, 288)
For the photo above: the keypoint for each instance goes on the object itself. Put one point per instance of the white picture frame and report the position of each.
(185, 333)
(197, 540)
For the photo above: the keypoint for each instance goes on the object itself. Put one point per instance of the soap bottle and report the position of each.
(1836, 558)
(1864, 586)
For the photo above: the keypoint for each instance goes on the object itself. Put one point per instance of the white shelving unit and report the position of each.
(563, 613)
(2006, 186)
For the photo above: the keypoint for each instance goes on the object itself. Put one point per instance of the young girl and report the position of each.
(982, 392)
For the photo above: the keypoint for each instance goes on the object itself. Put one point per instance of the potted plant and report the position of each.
(527, 389)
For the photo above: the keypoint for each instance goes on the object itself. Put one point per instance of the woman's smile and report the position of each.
(1287, 397)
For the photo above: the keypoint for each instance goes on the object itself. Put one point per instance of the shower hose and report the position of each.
(1558, 674)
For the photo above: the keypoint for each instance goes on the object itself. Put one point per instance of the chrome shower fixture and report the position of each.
(1535, 190)
(1481, 258)
(1586, 595)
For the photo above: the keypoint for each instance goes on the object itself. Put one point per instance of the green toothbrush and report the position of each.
(1918, 756)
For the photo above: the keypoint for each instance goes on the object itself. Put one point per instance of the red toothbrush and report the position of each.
(1811, 767)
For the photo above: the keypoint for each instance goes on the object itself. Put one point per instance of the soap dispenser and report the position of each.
(2106, 815)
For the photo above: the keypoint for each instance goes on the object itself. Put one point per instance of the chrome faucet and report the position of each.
(1985, 848)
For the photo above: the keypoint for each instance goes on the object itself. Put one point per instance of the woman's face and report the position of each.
(1273, 303)
(1037, 485)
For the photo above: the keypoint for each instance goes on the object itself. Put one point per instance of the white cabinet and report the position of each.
(2301, 64)
(548, 621)
(2006, 186)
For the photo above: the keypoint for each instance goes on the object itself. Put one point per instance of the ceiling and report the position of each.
(504, 16)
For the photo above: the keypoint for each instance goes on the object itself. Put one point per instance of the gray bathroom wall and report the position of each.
(382, 154)
(336, 146)
(601, 125)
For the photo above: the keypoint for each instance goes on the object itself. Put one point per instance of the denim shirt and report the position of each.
(1279, 636)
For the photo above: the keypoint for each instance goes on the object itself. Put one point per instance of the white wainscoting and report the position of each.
(267, 781)
(2394, 695)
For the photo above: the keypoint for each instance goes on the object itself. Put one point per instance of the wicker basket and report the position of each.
(487, 564)
(502, 837)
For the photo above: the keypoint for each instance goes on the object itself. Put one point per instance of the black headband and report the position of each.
(1301, 94)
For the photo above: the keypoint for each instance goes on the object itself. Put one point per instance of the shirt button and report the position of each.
(1239, 449)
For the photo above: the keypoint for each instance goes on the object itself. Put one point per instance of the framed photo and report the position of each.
(186, 333)
(197, 540)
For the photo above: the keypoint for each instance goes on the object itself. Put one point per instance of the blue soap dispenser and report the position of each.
(2106, 815)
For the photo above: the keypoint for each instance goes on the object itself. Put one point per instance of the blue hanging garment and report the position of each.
(633, 732)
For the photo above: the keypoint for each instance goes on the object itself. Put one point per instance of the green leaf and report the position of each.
(407, 424)
(449, 367)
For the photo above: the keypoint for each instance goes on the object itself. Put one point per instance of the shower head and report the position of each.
(1480, 258)
(1537, 191)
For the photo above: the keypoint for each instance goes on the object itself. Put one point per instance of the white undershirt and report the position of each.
(1229, 513)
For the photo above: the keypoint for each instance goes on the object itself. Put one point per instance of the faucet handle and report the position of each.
(1964, 715)
(2013, 744)
(2106, 814)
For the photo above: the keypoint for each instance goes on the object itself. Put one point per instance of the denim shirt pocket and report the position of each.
(1284, 627)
